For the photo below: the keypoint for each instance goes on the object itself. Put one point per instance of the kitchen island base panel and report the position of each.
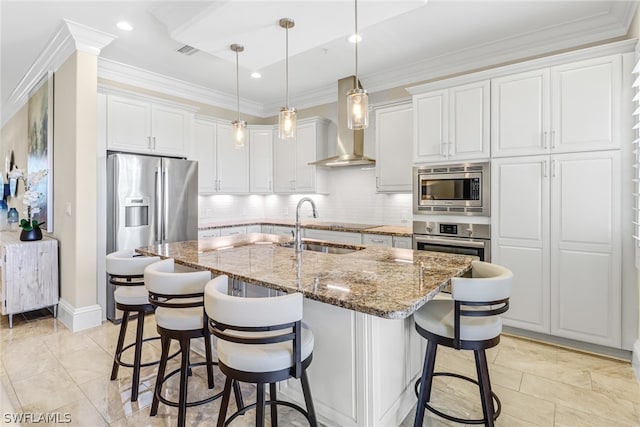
(363, 367)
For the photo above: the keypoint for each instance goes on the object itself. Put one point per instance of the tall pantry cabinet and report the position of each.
(557, 198)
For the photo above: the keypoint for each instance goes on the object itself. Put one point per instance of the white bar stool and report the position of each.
(125, 269)
(180, 316)
(260, 341)
(469, 321)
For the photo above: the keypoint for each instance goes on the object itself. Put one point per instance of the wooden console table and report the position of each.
(28, 274)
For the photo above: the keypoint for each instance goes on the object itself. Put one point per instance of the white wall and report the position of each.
(352, 198)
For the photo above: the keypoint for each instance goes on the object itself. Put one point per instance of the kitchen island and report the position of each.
(359, 302)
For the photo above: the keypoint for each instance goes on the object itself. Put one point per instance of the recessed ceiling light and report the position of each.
(256, 75)
(124, 26)
(355, 38)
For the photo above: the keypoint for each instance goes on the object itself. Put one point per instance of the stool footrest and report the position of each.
(498, 406)
(246, 408)
(142, 365)
(188, 404)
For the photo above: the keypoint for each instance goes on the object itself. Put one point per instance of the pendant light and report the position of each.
(287, 116)
(239, 126)
(357, 98)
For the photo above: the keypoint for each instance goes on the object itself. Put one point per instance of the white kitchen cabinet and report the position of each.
(394, 147)
(568, 108)
(209, 233)
(232, 231)
(452, 124)
(402, 242)
(556, 225)
(254, 228)
(28, 274)
(292, 172)
(261, 159)
(377, 240)
(333, 236)
(138, 125)
(222, 168)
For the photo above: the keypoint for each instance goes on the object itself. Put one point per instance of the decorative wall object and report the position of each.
(40, 144)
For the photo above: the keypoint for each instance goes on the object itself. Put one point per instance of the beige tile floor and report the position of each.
(44, 368)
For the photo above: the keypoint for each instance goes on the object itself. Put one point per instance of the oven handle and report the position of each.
(452, 242)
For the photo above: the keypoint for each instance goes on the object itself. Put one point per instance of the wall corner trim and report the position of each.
(79, 318)
(70, 37)
(635, 359)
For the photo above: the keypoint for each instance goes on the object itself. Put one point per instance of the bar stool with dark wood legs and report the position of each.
(180, 316)
(125, 269)
(469, 321)
(260, 341)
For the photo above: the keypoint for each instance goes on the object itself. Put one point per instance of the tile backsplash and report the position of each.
(352, 198)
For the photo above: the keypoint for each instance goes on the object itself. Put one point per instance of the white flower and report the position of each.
(16, 174)
(32, 197)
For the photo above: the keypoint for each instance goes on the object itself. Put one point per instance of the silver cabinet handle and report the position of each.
(449, 144)
(553, 168)
(154, 143)
(544, 168)
(377, 240)
(149, 142)
(553, 139)
(442, 153)
(377, 182)
(544, 140)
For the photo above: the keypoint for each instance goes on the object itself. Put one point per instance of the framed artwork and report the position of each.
(40, 144)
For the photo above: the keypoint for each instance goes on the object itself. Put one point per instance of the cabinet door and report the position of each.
(394, 142)
(128, 124)
(469, 121)
(170, 130)
(232, 163)
(430, 118)
(232, 231)
(585, 105)
(520, 237)
(207, 234)
(205, 148)
(261, 160)
(402, 242)
(585, 247)
(520, 114)
(305, 178)
(284, 165)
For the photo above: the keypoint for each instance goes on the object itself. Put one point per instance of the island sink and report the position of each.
(324, 248)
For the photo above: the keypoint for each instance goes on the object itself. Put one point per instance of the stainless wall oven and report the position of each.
(457, 189)
(452, 237)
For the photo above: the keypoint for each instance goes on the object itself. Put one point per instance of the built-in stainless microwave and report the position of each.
(457, 189)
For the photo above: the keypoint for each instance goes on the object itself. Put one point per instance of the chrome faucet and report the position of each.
(297, 237)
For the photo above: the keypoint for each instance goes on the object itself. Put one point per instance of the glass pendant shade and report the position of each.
(287, 123)
(239, 127)
(358, 108)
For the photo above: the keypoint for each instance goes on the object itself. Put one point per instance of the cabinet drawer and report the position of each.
(231, 231)
(377, 240)
(205, 234)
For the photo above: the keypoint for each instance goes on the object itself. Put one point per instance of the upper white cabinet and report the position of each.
(394, 142)
(222, 168)
(291, 158)
(556, 224)
(452, 124)
(138, 125)
(567, 108)
(261, 159)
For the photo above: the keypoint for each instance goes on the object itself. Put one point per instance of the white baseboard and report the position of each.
(79, 318)
(635, 360)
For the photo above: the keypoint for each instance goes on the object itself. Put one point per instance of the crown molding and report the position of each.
(138, 77)
(70, 37)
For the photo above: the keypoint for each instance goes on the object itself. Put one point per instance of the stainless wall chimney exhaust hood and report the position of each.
(350, 147)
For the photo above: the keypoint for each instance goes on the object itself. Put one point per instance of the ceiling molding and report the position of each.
(138, 77)
(70, 37)
(509, 50)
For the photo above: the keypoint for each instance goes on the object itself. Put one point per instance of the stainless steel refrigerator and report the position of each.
(150, 200)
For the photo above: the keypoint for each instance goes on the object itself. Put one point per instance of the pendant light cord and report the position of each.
(357, 83)
(286, 72)
(238, 84)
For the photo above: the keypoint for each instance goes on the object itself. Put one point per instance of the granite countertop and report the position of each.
(385, 282)
(321, 225)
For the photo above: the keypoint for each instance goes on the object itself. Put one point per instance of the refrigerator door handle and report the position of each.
(158, 208)
(165, 200)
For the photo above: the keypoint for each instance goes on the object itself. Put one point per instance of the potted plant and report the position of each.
(31, 199)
